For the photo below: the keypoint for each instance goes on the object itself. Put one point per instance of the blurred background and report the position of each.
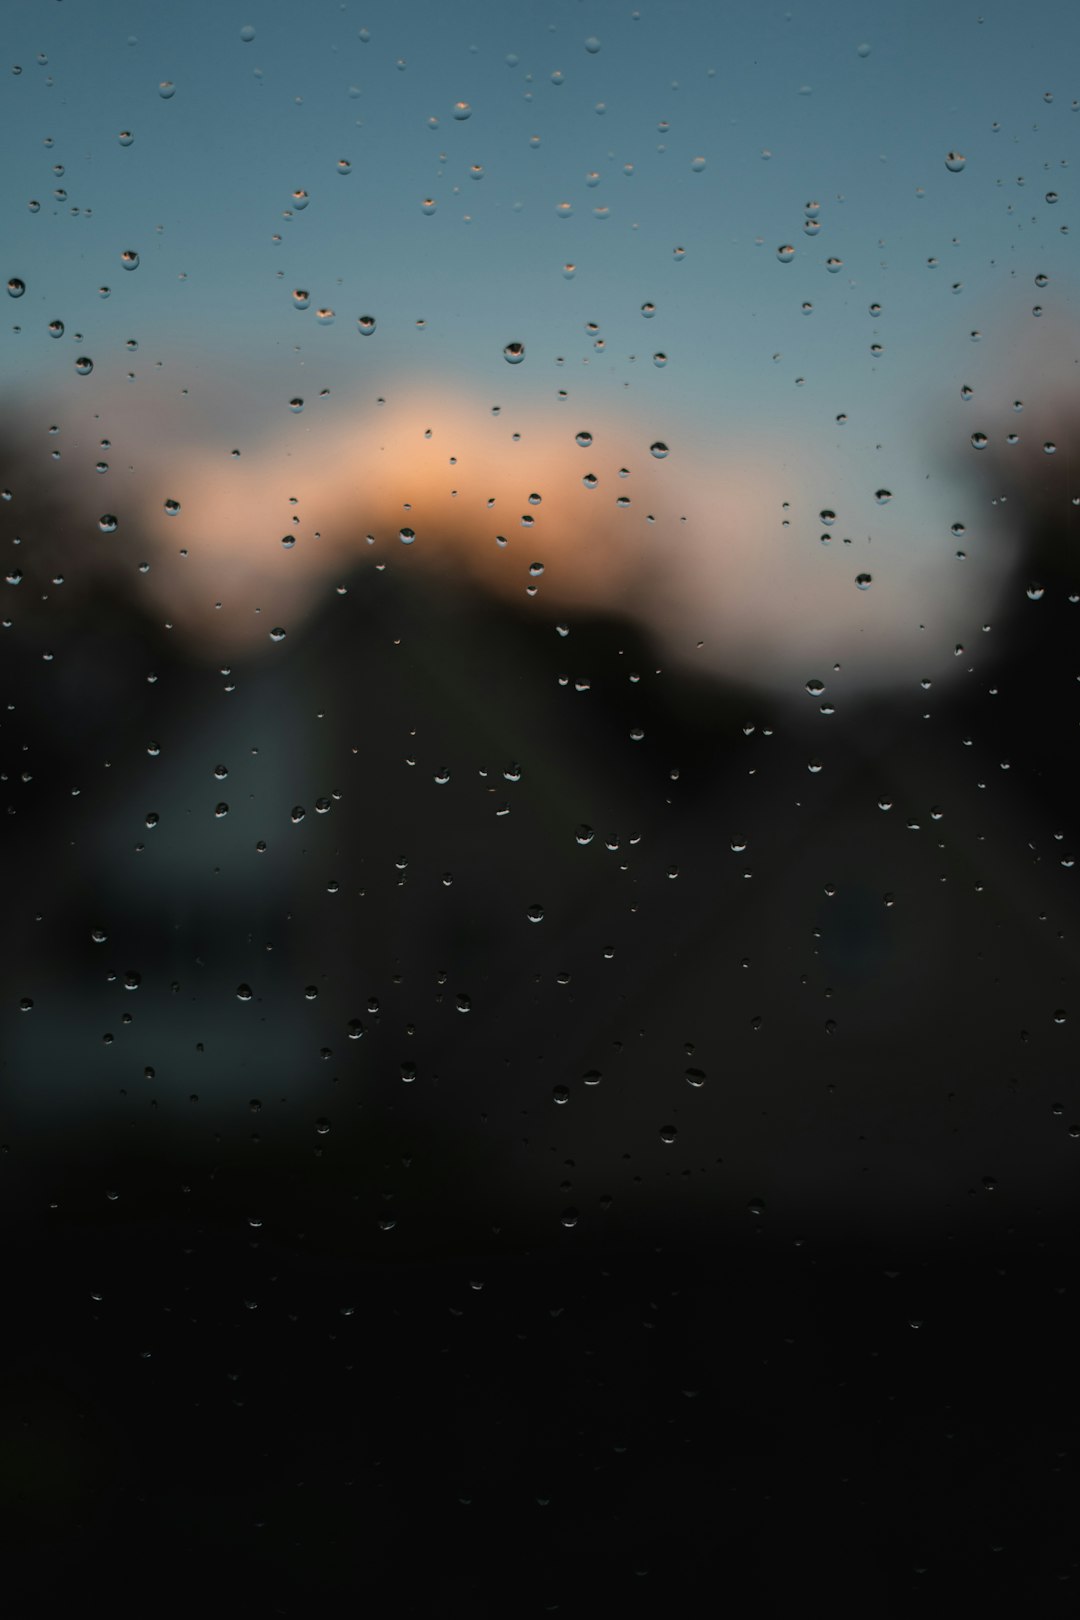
(540, 705)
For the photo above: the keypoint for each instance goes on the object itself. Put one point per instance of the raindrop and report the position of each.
(296, 404)
(954, 162)
(129, 259)
(56, 329)
(979, 441)
(172, 507)
(697, 164)
(301, 297)
(584, 835)
(648, 310)
(514, 353)
(84, 365)
(668, 1133)
(535, 914)
(243, 992)
(462, 111)
(584, 439)
(166, 89)
(322, 1127)
(325, 317)
(15, 287)
(833, 265)
(125, 137)
(695, 1077)
(107, 523)
(659, 359)
(883, 496)
(407, 536)
(366, 324)
(344, 166)
(864, 581)
(592, 44)
(299, 199)
(659, 449)
(785, 253)
(561, 1094)
(277, 633)
(247, 33)
(429, 205)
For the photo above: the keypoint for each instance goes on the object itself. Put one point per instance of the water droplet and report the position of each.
(365, 324)
(833, 265)
(297, 814)
(695, 1078)
(462, 111)
(166, 89)
(955, 161)
(125, 137)
(883, 496)
(864, 581)
(535, 914)
(429, 205)
(325, 317)
(569, 271)
(172, 507)
(1036, 592)
(296, 404)
(299, 199)
(247, 33)
(243, 992)
(785, 253)
(514, 353)
(1049, 448)
(697, 164)
(301, 297)
(979, 441)
(277, 633)
(668, 1133)
(560, 1094)
(129, 259)
(221, 810)
(659, 359)
(592, 44)
(648, 310)
(862, 50)
(322, 1127)
(584, 835)
(84, 365)
(107, 523)
(15, 287)
(659, 449)
(407, 536)
(56, 329)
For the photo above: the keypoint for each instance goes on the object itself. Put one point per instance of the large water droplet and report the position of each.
(954, 162)
(514, 353)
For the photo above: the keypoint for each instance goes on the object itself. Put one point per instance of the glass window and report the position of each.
(539, 697)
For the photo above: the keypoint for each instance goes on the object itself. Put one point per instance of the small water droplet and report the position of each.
(864, 581)
(365, 324)
(407, 536)
(277, 633)
(129, 259)
(247, 34)
(659, 449)
(785, 253)
(166, 89)
(979, 441)
(514, 353)
(84, 365)
(955, 161)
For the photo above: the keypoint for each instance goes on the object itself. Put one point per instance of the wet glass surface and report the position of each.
(540, 690)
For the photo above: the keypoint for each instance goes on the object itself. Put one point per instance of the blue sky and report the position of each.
(202, 191)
